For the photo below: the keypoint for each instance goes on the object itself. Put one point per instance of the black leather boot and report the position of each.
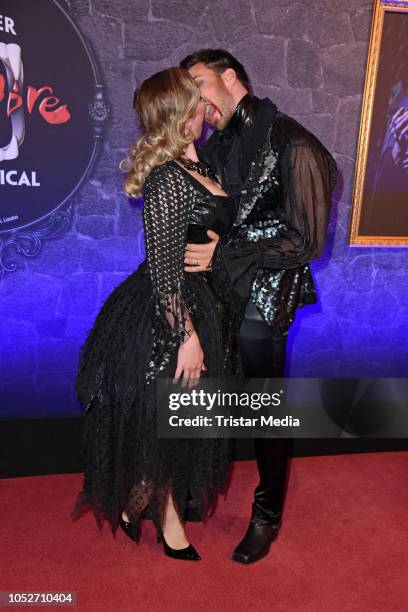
(272, 456)
(257, 540)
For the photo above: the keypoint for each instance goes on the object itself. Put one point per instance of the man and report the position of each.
(287, 178)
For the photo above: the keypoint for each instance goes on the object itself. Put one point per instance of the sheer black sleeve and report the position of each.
(168, 201)
(308, 177)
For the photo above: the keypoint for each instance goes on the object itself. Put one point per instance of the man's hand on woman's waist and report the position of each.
(198, 257)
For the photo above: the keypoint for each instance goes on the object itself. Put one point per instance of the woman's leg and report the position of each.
(141, 494)
(173, 528)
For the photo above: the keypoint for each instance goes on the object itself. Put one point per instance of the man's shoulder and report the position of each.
(287, 131)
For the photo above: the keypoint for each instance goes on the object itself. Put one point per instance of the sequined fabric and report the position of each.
(284, 178)
(276, 294)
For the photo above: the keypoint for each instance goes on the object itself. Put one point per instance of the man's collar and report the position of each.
(260, 117)
(243, 114)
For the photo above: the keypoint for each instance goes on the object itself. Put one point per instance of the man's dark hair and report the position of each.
(217, 60)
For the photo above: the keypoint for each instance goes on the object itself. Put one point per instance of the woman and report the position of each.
(159, 322)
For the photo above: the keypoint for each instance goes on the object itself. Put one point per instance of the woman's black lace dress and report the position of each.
(131, 344)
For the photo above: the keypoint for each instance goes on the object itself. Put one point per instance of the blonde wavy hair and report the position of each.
(163, 103)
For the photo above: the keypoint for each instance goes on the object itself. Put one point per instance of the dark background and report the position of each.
(311, 63)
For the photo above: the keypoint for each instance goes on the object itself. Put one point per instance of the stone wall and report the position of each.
(309, 58)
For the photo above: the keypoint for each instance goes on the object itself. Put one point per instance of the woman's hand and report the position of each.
(190, 361)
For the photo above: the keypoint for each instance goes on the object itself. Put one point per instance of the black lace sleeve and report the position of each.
(308, 180)
(168, 201)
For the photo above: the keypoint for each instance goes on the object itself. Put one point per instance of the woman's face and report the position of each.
(195, 124)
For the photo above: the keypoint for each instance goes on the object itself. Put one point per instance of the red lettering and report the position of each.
(57, 116)
(14, 102)
(48, 108)
(2, 87)
(33, 94)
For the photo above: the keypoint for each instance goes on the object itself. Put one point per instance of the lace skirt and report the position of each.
(126, 467)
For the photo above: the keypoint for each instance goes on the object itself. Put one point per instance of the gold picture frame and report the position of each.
(379, 215)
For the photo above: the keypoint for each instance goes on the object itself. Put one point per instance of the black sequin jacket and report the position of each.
(284, 178)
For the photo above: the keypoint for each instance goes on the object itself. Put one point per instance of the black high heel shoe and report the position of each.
(132, 530)
(188, 553)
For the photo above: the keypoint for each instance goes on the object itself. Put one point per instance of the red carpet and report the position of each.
(343, 545)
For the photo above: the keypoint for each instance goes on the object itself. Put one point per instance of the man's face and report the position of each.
(219, 102)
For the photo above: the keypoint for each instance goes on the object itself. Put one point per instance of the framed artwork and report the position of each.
(380, 198)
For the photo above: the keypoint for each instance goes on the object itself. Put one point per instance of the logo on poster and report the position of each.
(7, 25)
(35, 99)
(52, 119)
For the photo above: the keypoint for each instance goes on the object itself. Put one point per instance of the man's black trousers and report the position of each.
(263, 356)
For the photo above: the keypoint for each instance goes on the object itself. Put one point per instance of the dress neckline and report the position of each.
(202, 187)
